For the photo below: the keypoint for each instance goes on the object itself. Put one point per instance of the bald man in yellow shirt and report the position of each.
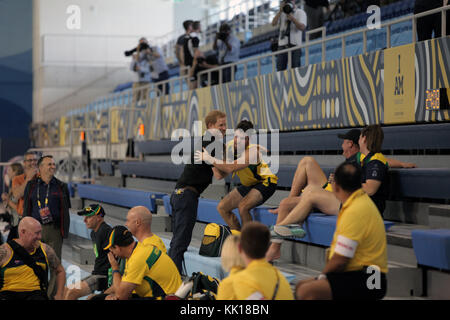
(357, 259)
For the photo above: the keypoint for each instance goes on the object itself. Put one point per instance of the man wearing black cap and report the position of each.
(149, 273)
(98, 280)
(311, 189)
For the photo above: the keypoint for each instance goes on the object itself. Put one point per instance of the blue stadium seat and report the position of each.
(432, 247)
(319, 227)
(127, 198)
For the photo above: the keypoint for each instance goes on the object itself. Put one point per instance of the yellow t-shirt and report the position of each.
(225, 290)
(360, 234)
(153, 271)
(156, 241)
(255, 173)
(258, 281)
(16, 276)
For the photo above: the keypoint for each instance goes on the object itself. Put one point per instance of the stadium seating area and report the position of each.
(417, 217)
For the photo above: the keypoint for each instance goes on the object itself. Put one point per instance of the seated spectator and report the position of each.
(202, 63)
(98, 280)
(310, 181)
(232, 263)
(149, 272)
(228, 47)
(179, 46)
(258, 182)
(259, 280)
(358, 249)
(139, 222)
(191, 50)
(25, 263)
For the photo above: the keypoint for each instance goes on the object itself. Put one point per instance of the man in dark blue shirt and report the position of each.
(47, 200)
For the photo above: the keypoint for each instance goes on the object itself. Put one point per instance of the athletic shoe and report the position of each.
(275, 237)
(289, 231)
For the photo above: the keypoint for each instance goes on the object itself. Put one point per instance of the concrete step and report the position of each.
(439, 216)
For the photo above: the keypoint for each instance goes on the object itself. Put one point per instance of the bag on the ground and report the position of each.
(198, 287)
(213, 239)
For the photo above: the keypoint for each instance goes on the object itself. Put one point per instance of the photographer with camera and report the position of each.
(292, 21)
(141, 65)
(228, 48)
(149, 63)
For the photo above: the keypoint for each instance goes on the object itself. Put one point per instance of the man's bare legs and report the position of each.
(308, 173)
(226, 205)
(312, 197)
(234, 200)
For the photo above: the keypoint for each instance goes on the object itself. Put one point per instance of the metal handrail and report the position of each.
(307, 45)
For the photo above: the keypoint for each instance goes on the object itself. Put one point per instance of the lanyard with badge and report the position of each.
(44, 212)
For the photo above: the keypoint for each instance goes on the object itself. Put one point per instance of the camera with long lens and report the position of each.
(288, 7)
(140, 47)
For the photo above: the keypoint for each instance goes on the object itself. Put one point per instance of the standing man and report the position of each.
(47, 199)
(315, 14)
(191, 50)
(24, 265)
(292, 21)
(179, 46)
(20, 182)
(98, 280)
(258, 181)
(228, 47)
(192, 182)
(358, 252)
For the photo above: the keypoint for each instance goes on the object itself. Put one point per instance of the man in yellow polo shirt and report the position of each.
(357, 260)
(259, 280)
(149, 272)
(139, 222)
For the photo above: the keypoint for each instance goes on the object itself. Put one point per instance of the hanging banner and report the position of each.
(399, 84)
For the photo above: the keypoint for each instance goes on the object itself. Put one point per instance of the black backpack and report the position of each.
(213, 238)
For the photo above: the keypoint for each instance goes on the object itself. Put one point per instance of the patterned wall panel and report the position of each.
(343, 93)
(432, 72)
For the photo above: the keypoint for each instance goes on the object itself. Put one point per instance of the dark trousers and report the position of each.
(161, 77)
(426, 26)
(32, 295)
(282, 59)
(226, 74)
(184, 216)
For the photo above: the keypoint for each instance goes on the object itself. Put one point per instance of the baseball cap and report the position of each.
(352, 134)
(92, 210)
(119, 236)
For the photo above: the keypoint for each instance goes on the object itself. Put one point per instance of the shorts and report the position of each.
(354, 285)
(266, 191)
(97, 282)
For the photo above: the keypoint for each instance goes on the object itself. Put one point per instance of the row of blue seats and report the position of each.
(403, 137)
(319, 227)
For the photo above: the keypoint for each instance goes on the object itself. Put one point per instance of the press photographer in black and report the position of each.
(291, 21)
(228, 48)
